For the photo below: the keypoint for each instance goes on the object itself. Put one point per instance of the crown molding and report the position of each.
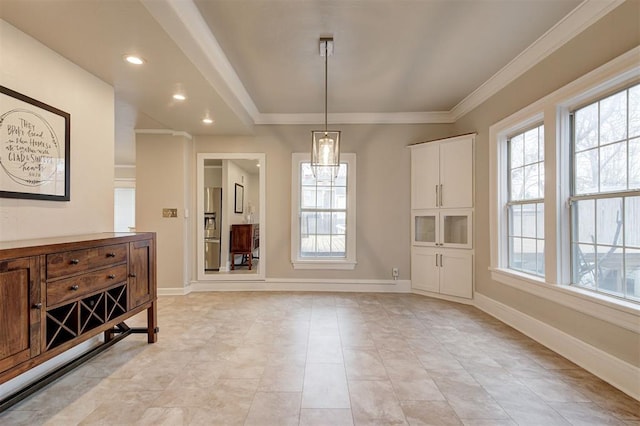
(579, 19)
(358, 118)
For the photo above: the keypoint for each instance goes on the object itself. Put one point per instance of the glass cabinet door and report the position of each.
(456, 228)
(425, 228)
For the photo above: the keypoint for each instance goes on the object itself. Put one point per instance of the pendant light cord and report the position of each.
(326, 82)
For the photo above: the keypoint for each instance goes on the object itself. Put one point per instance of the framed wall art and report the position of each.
(34, 148)
(238, 207)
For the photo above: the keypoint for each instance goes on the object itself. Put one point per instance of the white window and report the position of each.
(591, 195)
(605, 201)
(525, 206)
(323, 230)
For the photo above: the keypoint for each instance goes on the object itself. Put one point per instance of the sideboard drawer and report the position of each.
(76, 287)
(72, 262)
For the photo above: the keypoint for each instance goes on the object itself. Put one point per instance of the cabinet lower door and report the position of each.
(18, 329)
(456, 273)
(140, 280)
(424, 271)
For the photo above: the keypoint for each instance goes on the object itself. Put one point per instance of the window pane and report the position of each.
(632, 222)
(308, 197)
(613, 167)
(515, 221)
(517, 184)
(586, 127)
(609, 221)
(540, 253)
(529, 220)
(324, 197)
(613, 118)
(540, 220)
(531, 182)
(306, 174)
(339, 223)
(341, 179)
(632, 273)
(324, 176)
(541, 180)
(634, 163)
(585, 221)
(324, 223)
(610, 270)
(307, 223)
(586, 172)
(541, 143)
(531, 146)
(516, 151)
(515, 253)
(634, 111)
(529, 254)
(584, 269)
(338, 245)
(339, 198)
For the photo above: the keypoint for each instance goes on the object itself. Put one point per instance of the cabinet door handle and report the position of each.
(74, 261)
(436, 195)
(37, 306)
(111, 255)
(111, 276)
(132, 275)
(436, 260)
(441, 195)
(441, 264)
(74, 287)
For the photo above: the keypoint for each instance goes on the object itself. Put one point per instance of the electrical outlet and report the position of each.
(169, 212)
(395, 273)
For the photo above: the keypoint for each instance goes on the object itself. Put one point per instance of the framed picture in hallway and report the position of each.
(239, 199)
(34, 148)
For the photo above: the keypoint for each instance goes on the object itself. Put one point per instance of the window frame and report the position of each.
(553, 109)
(323, 262)
(521, 202)
(599, 194)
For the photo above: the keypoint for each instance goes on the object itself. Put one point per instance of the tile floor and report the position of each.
(326, 359)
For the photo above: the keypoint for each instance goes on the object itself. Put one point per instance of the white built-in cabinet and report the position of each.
(442, 216)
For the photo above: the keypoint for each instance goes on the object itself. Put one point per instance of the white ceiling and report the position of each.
(247, 62)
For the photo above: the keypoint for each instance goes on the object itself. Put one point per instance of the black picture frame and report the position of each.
(35, 148)
(239, 199)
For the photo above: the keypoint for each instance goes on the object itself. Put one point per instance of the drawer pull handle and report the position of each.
(111, 255)
(74, 287)
(37, 306)
(132, 275)
(111, 277)
(74, 261)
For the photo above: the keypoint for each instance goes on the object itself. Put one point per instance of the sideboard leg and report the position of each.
(152, 325)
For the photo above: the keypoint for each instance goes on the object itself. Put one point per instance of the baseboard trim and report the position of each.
(316, 285)
(173, 291)
(612, 370)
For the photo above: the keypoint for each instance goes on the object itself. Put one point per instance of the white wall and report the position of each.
(29, 67)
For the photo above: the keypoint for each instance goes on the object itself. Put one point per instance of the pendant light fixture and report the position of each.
(325, 144)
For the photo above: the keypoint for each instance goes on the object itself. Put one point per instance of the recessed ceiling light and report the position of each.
(207, 120)
(132, 59)
(179, 97)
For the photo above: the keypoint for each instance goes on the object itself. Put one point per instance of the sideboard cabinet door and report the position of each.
(20, 311)
(140, 269)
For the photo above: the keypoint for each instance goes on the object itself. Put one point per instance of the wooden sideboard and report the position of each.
(245, 239)
(58, 292)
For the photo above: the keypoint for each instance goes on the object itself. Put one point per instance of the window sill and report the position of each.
(324, 264)
(618, 312)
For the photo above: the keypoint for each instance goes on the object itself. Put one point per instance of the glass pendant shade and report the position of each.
(325, 149)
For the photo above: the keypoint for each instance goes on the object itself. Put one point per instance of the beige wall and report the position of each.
(29, 67)
(383, 202)
(162, 182)
(615, 34)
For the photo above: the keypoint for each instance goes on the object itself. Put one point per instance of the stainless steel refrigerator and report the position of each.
(212, 221)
